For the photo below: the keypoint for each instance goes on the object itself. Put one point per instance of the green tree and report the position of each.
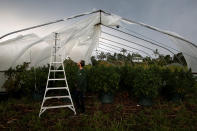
(101, 56)
(124, 51)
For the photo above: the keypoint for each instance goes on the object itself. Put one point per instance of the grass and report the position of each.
(123, 114)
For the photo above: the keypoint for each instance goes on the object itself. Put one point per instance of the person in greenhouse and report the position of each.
(81, 86)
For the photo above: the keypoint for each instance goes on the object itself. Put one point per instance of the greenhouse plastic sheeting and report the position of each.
(190, 52)
(188, 49)
(78, 42)
(11, 49)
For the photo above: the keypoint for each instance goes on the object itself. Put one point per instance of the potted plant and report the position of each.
(168, 83)
(177, 84)
(127, 76)
(146, 86)
(105, 80)
(184, 81)
(14, 84)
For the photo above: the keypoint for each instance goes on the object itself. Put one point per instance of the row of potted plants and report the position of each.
(144, 83)
(140, 81)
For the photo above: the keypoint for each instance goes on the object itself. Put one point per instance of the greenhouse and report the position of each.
(144, 62)
(81, 38)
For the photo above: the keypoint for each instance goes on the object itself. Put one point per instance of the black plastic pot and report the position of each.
(107, 98)
(177, 97)
(145, 101)
(3, 96)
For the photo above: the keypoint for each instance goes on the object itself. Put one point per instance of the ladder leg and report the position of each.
(41, 110)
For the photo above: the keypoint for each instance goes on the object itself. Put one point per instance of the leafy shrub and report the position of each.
(185, 82)
(177, 82)
(21, 80)
(127, 76)
(141, 80)
(124, 71)
(71, 70)
(147, 83)
(168, 79)
(103, 79)
(40, 79)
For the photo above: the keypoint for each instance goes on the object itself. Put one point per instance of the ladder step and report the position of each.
(57, 97)
(52, 107)
(60, 79)
(56, 88)
(56, 70)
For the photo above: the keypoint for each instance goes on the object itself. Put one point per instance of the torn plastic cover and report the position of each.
(11, 49)
(78, 42)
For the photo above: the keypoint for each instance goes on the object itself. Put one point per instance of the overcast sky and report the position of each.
(175, 15)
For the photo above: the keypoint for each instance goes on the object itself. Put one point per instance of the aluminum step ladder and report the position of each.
(55, 63)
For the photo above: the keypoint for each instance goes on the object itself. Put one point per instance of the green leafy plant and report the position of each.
(185, 82)
(147, 83)
(127, 76)
(21, 80)
(71, 70)
(104, 79)
(177, 83)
